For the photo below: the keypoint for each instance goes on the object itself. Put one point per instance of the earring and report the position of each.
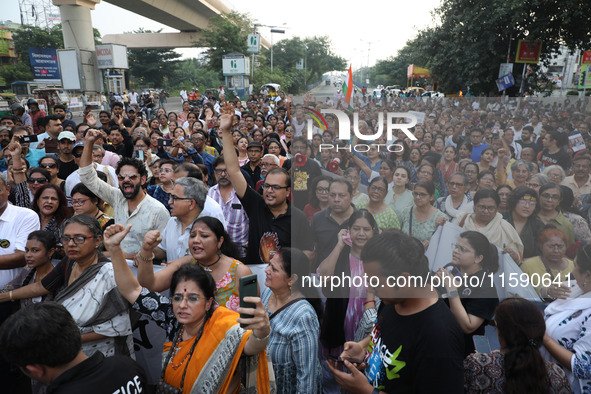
(290, 287)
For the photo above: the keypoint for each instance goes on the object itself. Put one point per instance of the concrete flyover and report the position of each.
(188, 16)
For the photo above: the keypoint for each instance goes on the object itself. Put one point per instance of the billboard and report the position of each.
(505, 82)
(69, 64)
(111, 56)
(235, 64)
(586, 57)
(44, 63)
(253, 43)
(528, 51)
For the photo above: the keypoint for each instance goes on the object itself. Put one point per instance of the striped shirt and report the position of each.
(236, 217)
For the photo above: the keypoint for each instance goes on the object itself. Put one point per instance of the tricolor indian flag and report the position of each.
(348, 88)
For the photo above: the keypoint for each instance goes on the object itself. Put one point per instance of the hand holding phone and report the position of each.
(248, 287)
(164, 142)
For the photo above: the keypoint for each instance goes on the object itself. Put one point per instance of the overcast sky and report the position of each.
(378, 29)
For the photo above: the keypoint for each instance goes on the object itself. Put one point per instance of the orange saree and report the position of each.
(215, 358)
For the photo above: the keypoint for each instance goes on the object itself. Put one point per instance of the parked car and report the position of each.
(432, 93)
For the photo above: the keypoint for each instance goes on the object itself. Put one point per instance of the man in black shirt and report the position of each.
(416, 345)
(303, 172)
(271, 215)
(67, 165)
(255, 154)
(118, 112)
(44, 341)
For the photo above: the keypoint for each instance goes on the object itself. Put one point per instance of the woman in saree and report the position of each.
(86, 286)
(206, 342)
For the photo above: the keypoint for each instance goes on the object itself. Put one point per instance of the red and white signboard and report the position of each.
(528, 51)
(586, 57)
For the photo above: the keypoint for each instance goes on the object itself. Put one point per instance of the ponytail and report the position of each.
(482, 247)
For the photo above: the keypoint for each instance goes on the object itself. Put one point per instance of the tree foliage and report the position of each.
(149, 67)
(472, 37)
(227, 33)
(193, 73)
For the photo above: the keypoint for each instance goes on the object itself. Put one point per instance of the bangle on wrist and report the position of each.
(10, 295)
(139, 256)
(261, 339)
(368, 301)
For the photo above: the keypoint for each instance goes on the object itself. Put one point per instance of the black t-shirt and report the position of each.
(100, 375)
(532, 145)
(560, 158)
(255, 175)
(262, 222)
(301, 180)
(419, 353)
(66, 168)
(477, 301)
(324, 233)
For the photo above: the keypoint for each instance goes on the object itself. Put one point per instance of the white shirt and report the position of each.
(74, 178)
(184, 95)
(213, 209)
(150, 214)
(16, 223)
(132, 97)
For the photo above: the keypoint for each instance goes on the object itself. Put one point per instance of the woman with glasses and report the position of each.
(566, 341)
(518, 367)
(488, 221)
(51, 164)
(421, 219)
(548, 270)
(205, 342)
(554, 173)
(318, 196)
(521, 213)
(486, 180)
(550, 213)
(474, 302)
(85, 286)
(211, 249)
(383, 214)
(86, 202)
(457, 201)
(536, 181)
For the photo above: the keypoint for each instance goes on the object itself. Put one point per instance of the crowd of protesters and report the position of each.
(224, 188)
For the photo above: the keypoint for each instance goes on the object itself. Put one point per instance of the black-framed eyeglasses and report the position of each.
(78, 239)
(174, 198)
(274, 187)
(220, 171)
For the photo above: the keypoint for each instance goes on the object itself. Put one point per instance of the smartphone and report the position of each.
(164, 142)
(29, 138)
(481, 344)
(248, 287)
(138, 154)
(341, 361)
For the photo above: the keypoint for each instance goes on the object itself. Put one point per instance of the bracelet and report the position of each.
(261, 339)
(453, 294)
(367, 302)
(21, 171)
(139, 256)
(10, 295)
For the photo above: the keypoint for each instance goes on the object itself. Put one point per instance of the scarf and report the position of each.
(465, 206)
(498, 231)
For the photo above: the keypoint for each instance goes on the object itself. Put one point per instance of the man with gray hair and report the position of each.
(16, 224)
(187, 200)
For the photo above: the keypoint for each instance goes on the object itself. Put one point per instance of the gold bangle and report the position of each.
(10, 295)
(139, 256)
(18, 171)
(261, 339)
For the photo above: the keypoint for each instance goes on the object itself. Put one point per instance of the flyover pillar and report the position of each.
(78, 34)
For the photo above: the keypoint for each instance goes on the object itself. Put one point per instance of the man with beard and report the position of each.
(65, 142)
(225, 195)
(48, 140)
(131, 204)
(271, 215)
(60, 110)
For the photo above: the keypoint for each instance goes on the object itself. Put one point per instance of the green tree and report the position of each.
(472, 37)
(227, 33)
(194, 73)
(149, 67)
